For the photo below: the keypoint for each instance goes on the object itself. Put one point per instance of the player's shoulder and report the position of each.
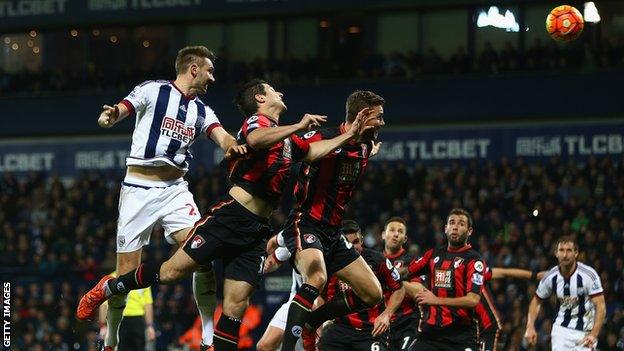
(587, 270)
(154, 83)
(550, 273)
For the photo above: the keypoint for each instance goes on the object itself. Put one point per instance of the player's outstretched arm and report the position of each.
(112, 114)
(264, 138)
(531, 334)
(517, 273)
(222, 138)
(426, 297)
(320, 149)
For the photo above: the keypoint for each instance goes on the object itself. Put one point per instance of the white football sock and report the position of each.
(204, 292)
(116, 305)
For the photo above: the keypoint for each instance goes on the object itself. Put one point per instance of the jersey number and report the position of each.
(192, 211)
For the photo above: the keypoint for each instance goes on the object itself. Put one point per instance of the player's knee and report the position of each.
(235, 308)
(316, 274)
(169, 274)
(264, 345)
(317, 279)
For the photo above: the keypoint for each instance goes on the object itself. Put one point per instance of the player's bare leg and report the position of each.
(176, 268)
(126, 261)
(365, 292)
(271, 339)
(204, 292)
(311, 264)
(362, 280)
(235, 301)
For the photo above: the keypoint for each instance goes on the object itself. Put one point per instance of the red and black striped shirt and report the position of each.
(390, 282)
(325, 187)
(408, 312)
(486, 311)
(264, 172)
(452, 273)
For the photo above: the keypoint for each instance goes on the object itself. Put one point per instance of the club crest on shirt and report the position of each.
(457, 262)
(197, 242)
(398, 263)
(309, 238)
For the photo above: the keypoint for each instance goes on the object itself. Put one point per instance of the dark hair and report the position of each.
(245, 99)
(359, 100)
(395, 219)
(566, 239)
(460, 212)
(349, 226)
(190, 55)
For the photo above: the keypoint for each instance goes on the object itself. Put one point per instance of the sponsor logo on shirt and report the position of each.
(177, 130)
(443, 278)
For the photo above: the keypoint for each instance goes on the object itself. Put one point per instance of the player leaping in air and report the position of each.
(169, 118)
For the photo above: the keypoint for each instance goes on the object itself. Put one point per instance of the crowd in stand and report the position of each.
(100, 75)
(59, 236)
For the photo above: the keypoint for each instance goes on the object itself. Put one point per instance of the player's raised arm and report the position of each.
(263, 138)
(517, 273)
(112, 114)
(320, 149)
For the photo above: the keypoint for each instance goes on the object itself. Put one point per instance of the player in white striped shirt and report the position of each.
(580, 297)
(169, 118)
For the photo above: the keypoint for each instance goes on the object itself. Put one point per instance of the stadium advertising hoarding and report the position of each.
(70, 156)
(26, 14)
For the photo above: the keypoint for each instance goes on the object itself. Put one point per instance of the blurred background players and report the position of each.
(404, 326)
(137, 325)
(579, 293)
(154, 190)
(366, 329)
(455, 275)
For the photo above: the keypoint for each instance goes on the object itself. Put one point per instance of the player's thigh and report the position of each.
(362, 280)
(138, 212)
(178, 213)
(236, 295)
(127, 261)
(271, 339)
(179, 266)
(311, 264)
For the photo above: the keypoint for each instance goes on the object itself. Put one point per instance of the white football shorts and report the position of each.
(565, 339)
(141, 207)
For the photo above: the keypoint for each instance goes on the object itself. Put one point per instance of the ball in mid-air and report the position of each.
(564, 23)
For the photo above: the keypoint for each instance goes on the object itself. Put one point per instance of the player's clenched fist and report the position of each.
(108, 116)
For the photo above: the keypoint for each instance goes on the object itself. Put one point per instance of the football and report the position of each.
(564, 23)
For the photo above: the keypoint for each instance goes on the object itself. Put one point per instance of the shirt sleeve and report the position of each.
(301, 143)
(252, 123)
(418, 266)
(544, 288)
(389, 275)
(211, 121)
(595, 288)
(488, 274)
(137, 99)
(475, 268)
